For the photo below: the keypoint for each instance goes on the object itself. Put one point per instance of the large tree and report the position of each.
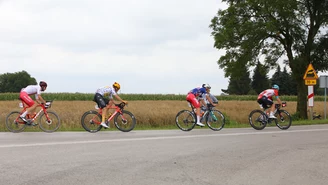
(14, 82)
(273, 30)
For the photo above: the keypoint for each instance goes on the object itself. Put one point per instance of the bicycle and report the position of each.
(258, 119)
(124, 120)
(186, 120)
(48, 121)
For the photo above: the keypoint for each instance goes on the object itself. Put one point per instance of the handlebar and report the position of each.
(121, 105)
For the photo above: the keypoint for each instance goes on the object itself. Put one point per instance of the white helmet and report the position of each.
(206, 86)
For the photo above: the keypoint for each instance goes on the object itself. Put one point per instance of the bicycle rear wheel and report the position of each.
(125, 122)
(284, 120)
(185, 120)
(14, 123)
(258, 119)
(91, 121)
(215, 120)
(49, 122)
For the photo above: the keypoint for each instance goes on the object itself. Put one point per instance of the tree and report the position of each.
(14, 82)
(260, 80)
(239, 82)
(295, 29)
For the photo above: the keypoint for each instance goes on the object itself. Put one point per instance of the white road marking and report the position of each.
(159, 138)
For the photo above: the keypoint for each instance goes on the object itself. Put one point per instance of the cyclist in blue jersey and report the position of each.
(193, 97)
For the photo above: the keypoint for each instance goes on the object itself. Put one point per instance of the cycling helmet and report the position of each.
(43, 84)
(117, 86)
(275, 86)
(206, 86)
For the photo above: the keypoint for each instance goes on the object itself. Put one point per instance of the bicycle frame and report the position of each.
(118, 110)
(34, 116)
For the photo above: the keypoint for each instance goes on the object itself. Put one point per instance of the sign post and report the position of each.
(323, 83)
(310, 78)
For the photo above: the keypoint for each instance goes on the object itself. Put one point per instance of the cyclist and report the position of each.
(25, 93)
(106, 103)
(265, 99)
(194, 96)
(208, 97)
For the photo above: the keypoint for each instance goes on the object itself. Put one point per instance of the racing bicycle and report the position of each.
(186, 119)
(48, 121)
(124, 120)
(258, 119)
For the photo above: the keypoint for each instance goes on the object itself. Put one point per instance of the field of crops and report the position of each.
(157, 111)
(134, 97)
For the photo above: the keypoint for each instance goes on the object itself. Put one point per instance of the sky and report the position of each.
(148, 46)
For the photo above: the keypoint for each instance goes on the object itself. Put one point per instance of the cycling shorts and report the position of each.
(193, 100)
(26, 99)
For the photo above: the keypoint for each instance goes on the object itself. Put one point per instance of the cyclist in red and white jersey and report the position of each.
(265, 99)
(25, 93)
(104, 99)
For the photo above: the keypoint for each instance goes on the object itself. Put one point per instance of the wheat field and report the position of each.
(151, 114)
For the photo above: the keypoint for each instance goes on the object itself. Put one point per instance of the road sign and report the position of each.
(310, 73)
(310, 82)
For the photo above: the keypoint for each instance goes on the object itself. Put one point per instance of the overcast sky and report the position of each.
(148, 46)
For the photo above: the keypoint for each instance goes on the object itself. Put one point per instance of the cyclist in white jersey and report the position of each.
(25, 93)
(104, 99)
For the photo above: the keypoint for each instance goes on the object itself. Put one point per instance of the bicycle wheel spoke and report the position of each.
(258, 120)
(185, 120)
(283, 120)
(49, 122)
(14, 123)
(91, 121)
(215, 120)
(125, 121)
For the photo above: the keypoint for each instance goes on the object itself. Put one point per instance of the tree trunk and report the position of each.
(301, 108)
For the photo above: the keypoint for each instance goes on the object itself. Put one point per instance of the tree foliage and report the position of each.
(260, 78)
(14, 82)
(295, 29)
(239, 83)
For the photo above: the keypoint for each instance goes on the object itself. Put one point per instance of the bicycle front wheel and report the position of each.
(284, 120)
(91, 121)
(14, 123)
(258, 119)
(185, 120)
(49, 122)
(215, 120)
(125, 121)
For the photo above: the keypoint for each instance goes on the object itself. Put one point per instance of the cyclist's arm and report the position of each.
(120, 99)
(278, 99)
(209, 99)
(39, 99)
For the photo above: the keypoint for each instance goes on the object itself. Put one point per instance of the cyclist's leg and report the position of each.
(29, 102)
(191, 98)
(102, 104)
(269, 103)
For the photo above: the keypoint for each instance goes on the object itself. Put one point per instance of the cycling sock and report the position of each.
(24, 114)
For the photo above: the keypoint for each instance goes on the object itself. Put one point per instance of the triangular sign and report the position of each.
(310, 73)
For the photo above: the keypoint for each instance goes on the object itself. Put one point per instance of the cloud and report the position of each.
(79, 45)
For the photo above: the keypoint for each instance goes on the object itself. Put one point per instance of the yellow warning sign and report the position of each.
(310, 82)
(310, 73)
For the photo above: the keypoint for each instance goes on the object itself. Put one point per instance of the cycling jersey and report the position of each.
(268, 93)
(106, 91)
(32, 89)
(29, 90)
(198, 91)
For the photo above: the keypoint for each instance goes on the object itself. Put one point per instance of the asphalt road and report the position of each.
(172, 157)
